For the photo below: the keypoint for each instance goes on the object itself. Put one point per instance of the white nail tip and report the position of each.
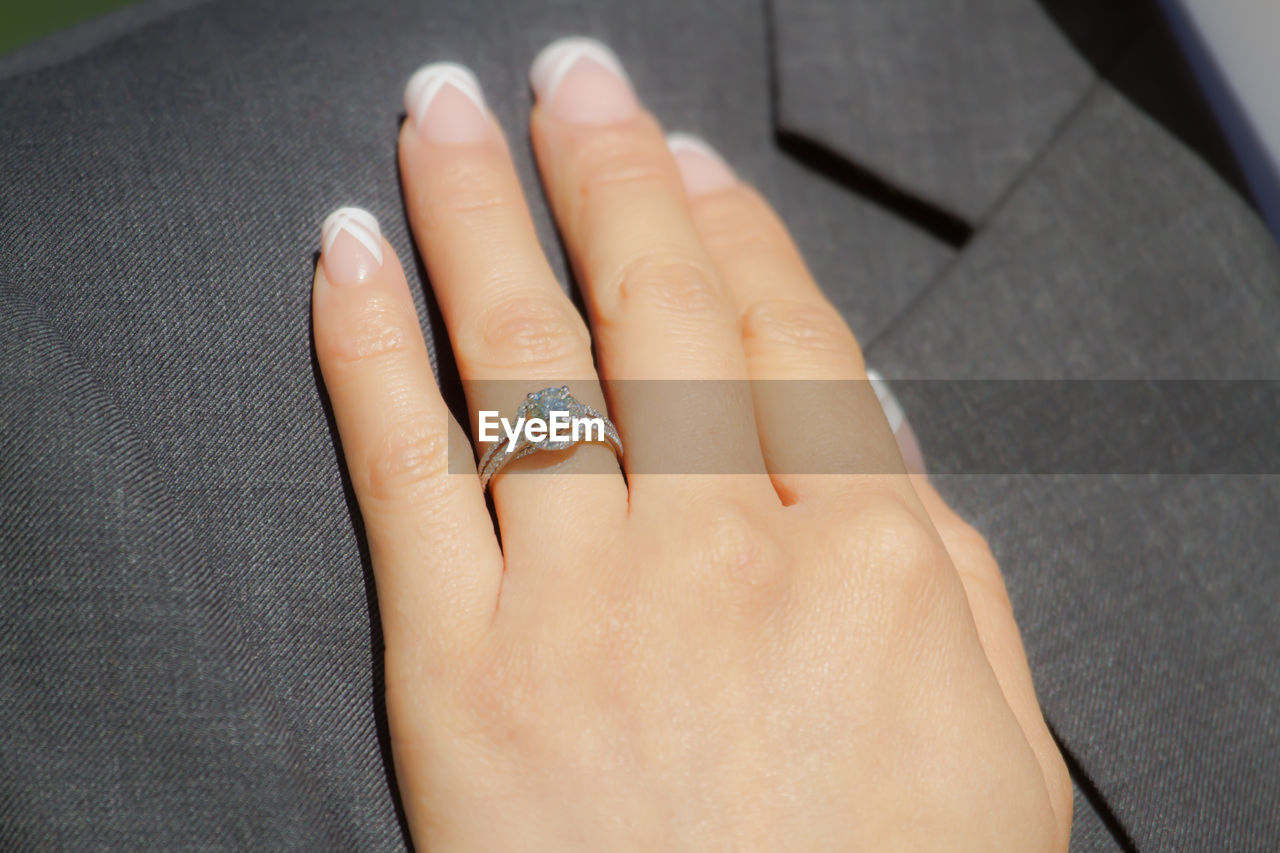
(679, 142)
(556, 59)
(892, 410)
(356, 222)
(429, 80)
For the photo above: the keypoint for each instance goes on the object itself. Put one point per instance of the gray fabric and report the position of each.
(872, 267)
(138, 702)
(1162, 678)
(948, 102)
(189, 650)
(712, 78)
(1147, 603)
(1120, 256)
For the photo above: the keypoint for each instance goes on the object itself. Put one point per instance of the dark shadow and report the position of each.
(836, 167)
(1131, 44)
(1095, 798)
(377, 664)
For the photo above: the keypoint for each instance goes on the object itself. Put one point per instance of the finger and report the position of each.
(512, 328)
(903, 434)
(817, 416)
(993, 617)
(989, 603)
(435, 559)
(658, 307)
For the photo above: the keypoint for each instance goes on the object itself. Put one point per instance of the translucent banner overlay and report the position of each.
(964, 426)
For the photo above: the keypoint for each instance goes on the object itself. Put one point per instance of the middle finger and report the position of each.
(513, 330)
(659, 311)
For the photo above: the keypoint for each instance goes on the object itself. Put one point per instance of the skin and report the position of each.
(757, 661)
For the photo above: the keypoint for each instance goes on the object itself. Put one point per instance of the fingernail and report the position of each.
(352, 246)
(445, 103)
(908, 445)
(580, 81)
(701, 168)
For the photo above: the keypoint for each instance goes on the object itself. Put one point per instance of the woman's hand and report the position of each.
(774, 659)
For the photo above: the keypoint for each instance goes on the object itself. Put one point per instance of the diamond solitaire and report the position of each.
(550, 419)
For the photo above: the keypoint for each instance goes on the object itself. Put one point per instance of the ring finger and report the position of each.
(659, 310)
(512, 328)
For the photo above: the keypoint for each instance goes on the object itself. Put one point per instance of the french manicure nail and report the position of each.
(445, 102)
(580, 81)
(908, 444)
(351, 244)
(701, 168)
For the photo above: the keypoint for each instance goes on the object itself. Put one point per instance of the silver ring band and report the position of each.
(541, 404)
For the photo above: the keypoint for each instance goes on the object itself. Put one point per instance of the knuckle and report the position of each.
(526, 331)
(500, 697)
(374, 331)
(986, 587)
(613, 159)
(413, 678)
(974, 561)
(791, 324)
(745, 562)
(470, 187)
(902, 553)
(738, 223)
(407, 459)
(669, 282)
(966, 544)
(489, 694)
